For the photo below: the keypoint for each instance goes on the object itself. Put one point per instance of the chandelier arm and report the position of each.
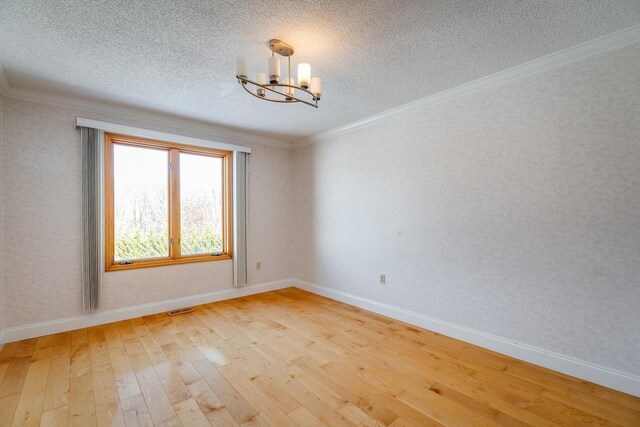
(267, 99)
(243, 80)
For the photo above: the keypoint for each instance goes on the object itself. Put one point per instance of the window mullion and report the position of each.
(174, 203)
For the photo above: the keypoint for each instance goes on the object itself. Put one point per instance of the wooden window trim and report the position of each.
(174, 151)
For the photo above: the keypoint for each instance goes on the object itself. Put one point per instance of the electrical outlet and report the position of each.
(383, 279)
(258, 265)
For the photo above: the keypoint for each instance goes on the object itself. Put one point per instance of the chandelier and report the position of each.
(279, 88)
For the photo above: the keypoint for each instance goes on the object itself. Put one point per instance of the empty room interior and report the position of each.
(319, 213)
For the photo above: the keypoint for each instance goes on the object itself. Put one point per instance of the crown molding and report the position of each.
(562, 57)
(217, 133)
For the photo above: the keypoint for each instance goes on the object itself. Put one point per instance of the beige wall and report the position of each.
(42, 196)
(514, 211)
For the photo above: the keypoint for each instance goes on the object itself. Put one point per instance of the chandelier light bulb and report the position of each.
(242, 70)
(274, 70)
(304, 75)
(261, 79)
(316, 87)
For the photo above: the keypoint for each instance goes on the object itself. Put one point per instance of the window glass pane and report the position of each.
(141, 202)
(200, 204)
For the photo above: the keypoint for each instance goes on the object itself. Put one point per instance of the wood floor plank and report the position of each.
(248, 359)
(135, 411)
(3, 370)
(374, 402)
(358, 417)
(6, 353)
(158, 402)
(107, 401)
(170, 379)
(14, 376)
(237, 405)
(29, 407)
(208, 402)
(8, 405)
(57, 391)
(417, 380)
(25, 348)
(61, 345)
(126, 381)
(258, 400)
(304, 418)
(16, 371)
(285, 358)
(43, 348)
(467, 393)
(234, 402)
(315, 399)
(132, 404)
(276, 393)
(190, 414)
(82, 410)
(210, 405)
(57, 417)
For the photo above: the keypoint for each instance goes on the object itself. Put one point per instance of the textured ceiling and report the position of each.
(178, 56)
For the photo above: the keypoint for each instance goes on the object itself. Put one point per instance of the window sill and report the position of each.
(167, 261)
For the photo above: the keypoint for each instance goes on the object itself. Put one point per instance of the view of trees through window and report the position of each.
(141, 203)
(200, 204)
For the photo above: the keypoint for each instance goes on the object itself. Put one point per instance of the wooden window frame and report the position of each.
(174, 150)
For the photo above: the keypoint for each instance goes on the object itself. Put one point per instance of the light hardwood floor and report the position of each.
(285, 358)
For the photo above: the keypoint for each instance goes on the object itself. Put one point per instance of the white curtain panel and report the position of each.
(91, 140)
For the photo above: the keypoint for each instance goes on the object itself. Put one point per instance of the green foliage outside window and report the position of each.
(154, 244)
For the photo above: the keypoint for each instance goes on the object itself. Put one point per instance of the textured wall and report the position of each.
(42, 196)
(514, 211)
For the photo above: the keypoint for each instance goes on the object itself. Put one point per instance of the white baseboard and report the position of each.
(607, 377)
(99, 318)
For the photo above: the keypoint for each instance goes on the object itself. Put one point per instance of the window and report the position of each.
(165, 203)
